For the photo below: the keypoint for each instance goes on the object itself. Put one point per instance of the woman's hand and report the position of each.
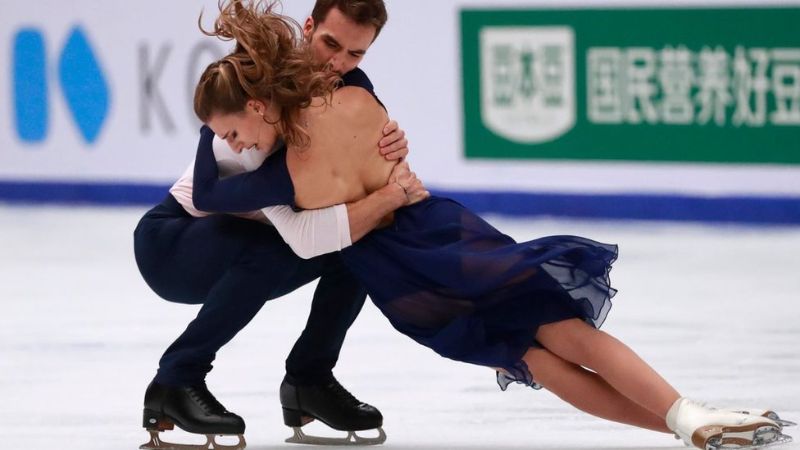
(407, 181)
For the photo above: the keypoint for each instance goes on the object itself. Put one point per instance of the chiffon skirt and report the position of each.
(450, 281)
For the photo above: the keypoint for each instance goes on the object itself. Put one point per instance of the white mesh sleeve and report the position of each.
(312, 232)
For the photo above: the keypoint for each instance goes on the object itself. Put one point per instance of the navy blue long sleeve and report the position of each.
(269, 185)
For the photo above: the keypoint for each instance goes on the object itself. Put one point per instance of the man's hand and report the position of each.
(394, 145)
(411, 186)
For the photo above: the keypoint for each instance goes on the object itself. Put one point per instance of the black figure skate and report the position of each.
(333, 405)
(193, 409)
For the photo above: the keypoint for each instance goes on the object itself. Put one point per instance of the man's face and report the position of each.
(338, 41)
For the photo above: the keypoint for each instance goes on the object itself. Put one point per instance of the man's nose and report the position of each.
(336, 64)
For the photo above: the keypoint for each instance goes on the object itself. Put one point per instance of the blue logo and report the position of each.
(80, 76)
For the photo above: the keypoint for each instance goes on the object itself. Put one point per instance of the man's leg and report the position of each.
(309, 390)
(230, 265)
(337, 301)
(234, 266)
(231, 304)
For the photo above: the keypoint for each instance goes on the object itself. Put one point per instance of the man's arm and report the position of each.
(368, 213)
(393, 145)
(375, 210)
(316, 232)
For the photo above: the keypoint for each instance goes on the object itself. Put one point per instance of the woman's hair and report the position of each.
(269, 64)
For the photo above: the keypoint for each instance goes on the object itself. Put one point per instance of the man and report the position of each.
(233, 265)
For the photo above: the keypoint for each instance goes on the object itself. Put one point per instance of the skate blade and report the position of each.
(783, 439)
(156, 443)
(785, 423)
(773, 416)
(740, 438)
(351, 439)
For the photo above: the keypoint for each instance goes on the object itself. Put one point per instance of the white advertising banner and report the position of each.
(101, 92)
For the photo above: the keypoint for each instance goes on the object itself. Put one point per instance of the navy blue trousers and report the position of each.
(232, 266)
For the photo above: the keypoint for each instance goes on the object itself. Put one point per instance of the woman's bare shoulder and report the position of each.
(357, 101)
(354, 94)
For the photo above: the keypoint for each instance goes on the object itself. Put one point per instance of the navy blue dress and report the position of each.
(442, 275)
(446, 278)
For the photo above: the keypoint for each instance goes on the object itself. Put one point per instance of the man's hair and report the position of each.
(362, 12)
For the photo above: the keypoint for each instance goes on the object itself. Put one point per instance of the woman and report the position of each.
(440, 274)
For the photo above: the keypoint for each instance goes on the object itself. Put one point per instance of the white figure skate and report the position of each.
(713, 429)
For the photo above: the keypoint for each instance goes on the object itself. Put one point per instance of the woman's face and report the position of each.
(246, 129)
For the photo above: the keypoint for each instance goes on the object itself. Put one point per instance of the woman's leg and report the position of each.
(587, 391)
(584, 345)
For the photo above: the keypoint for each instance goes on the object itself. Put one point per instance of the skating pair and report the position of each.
(195, 410)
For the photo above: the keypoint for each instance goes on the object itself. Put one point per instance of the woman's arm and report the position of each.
(309, 233)
(269, 185)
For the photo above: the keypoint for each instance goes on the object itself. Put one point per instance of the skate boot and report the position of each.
(333, 405)
(711, 429)
(193, 409)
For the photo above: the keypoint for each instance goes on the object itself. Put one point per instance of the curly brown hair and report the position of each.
(269, 64)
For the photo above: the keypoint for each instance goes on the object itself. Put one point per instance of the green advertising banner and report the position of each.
(654, 84)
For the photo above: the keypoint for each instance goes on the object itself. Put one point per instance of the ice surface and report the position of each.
(714, 309)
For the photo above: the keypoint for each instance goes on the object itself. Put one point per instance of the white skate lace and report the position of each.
(703, 405)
